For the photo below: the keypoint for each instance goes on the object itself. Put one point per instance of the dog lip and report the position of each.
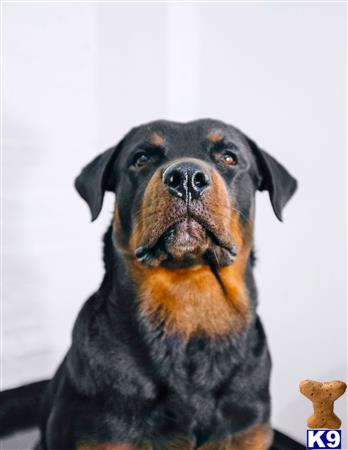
(143, 250)
(226, 244)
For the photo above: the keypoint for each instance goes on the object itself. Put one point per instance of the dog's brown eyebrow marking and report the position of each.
(215, 136)
(156, 139)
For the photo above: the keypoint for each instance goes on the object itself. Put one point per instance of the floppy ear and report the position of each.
(274, 178)
(95, 179)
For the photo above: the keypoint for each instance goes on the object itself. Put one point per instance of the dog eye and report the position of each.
(229, 158)
(141, 159)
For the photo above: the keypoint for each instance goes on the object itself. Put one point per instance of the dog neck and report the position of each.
(185, 301)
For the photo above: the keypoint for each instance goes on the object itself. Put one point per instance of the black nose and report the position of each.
(186, 179)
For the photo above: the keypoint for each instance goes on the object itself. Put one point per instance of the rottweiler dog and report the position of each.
(169, 353)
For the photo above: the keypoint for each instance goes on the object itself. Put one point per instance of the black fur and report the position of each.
(124, 379)
(19, 407)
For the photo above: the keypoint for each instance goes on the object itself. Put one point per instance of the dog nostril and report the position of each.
(200, 180)
(186, 180)
(174, 180)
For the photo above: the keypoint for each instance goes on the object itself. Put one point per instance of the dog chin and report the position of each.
(185, 244)
(186, 240)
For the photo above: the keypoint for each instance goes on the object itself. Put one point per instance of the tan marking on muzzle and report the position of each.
(159, 210)
(153, 214)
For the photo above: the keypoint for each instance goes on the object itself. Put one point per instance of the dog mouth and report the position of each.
(186, 242)
(188, 236)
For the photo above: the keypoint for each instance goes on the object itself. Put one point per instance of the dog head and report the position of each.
(184, 191)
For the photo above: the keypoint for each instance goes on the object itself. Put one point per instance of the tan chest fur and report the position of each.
(194, 300)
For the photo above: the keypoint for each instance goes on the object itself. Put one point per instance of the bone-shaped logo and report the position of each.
(323, 395)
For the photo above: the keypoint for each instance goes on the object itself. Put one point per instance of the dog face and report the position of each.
(184, 191)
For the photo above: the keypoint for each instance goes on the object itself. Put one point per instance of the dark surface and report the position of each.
(283, 442)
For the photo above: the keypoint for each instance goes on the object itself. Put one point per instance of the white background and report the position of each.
(77, 76)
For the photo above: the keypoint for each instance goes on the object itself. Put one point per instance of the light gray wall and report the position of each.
(77, 76)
